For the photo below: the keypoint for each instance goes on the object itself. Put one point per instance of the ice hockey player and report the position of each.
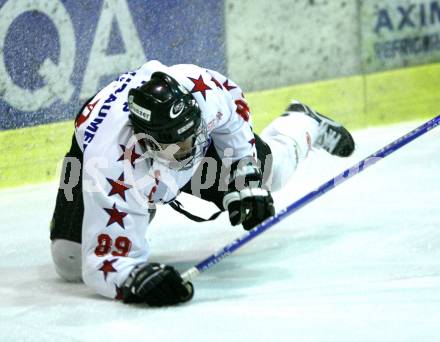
(150, 135)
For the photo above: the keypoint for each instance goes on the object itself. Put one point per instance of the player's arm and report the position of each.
(233, 132)
(115, 251)
(246, 201)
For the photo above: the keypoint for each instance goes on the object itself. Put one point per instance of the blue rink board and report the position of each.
(190, 31)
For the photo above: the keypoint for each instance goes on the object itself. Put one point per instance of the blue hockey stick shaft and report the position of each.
(347, 174)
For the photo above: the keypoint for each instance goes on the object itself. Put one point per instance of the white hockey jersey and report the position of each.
(119, 186)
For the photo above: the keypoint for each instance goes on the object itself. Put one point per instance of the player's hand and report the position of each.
(246, 202)
(157, 285)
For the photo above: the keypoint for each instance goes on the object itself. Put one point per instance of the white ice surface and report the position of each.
(362, 263)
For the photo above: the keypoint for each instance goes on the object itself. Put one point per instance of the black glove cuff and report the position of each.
(245, 173)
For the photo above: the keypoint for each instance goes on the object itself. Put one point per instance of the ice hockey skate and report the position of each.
(332, 136)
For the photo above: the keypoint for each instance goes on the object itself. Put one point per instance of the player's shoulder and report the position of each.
(147, 69)
(176, 70)
(186, 68)
(185, 72)
(104, 116)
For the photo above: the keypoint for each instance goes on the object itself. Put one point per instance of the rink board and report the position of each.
(32, 155)
(54, 55)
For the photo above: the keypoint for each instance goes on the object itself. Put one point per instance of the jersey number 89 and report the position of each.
(105, 243)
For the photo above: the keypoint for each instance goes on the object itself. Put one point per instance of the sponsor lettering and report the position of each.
(410, 17)
(93, 127)
(407, 30)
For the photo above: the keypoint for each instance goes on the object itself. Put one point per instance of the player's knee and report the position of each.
(285, 159)
(66, 256)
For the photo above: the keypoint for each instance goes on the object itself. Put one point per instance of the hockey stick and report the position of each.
(362, 165)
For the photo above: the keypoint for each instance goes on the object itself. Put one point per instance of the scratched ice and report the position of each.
(362, 263)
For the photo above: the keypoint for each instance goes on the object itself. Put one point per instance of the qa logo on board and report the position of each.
(37, 71)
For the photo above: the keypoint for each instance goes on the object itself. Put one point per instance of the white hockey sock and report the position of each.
(290, 139)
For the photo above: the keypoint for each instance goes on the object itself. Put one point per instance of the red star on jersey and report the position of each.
(217, 83)
(107, 267)
(118, 186)
(227, 86)
(199, 85)
(131, 154)
(252, 142)
(115, 216)
(83, 117)
(243, 109)
(154, 189)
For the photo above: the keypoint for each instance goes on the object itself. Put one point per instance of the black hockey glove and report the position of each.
(157, 285)
(246, 202)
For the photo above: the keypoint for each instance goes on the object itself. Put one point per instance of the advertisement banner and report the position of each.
(54, 54)
(399, 33)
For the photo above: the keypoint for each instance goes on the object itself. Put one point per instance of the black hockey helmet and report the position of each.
(164, 109)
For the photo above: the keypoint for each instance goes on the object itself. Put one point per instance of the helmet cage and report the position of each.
(155, 151)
